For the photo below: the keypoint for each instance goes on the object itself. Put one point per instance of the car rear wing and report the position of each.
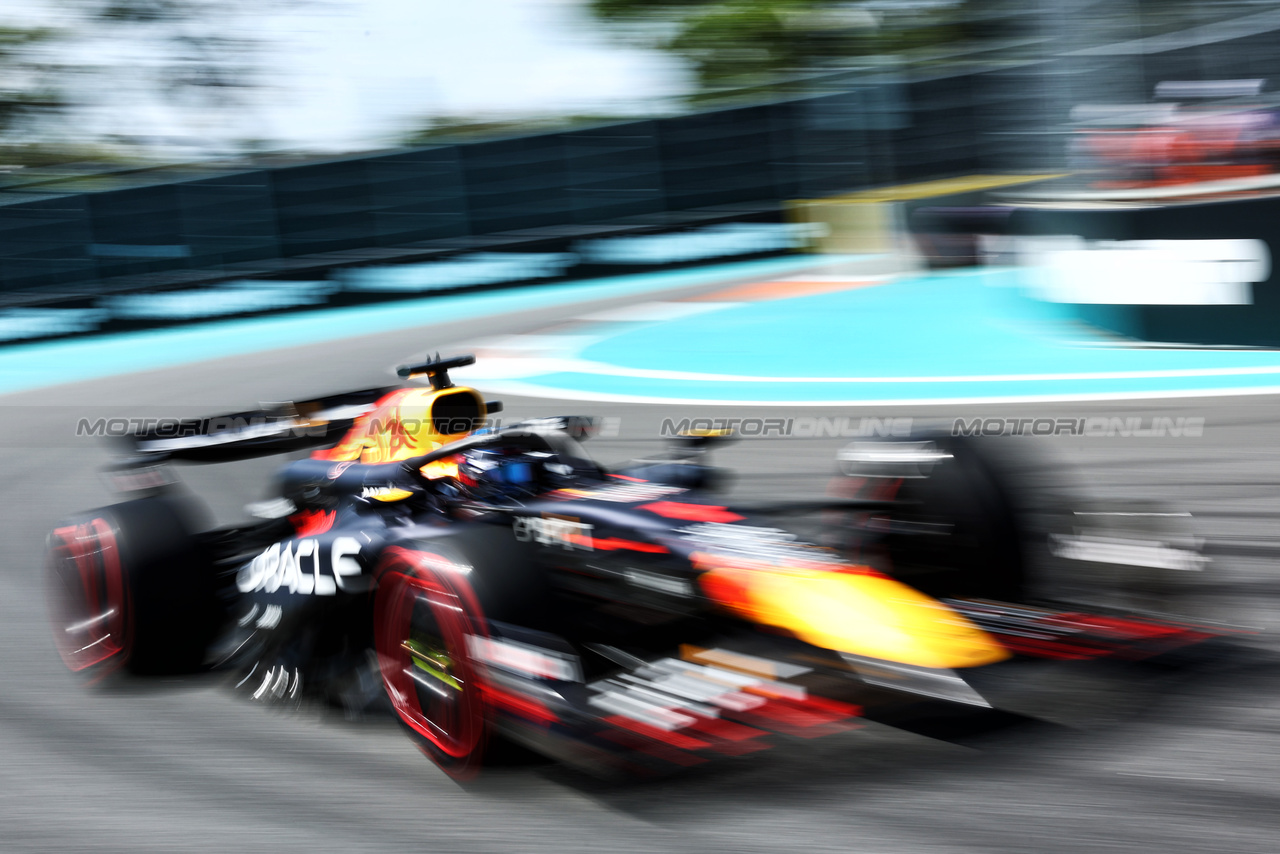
(274, 429)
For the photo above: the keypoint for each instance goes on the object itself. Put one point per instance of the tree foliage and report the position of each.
(130, 54)
(448, 129)
(751, 43)
(29, 90)
(200, 54)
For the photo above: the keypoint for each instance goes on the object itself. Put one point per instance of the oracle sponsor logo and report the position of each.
(304, 567)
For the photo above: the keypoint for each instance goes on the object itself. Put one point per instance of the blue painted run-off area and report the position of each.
(959, 336)
(26, 366)
(970, 335)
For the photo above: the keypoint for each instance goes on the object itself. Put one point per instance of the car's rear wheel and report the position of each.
(129, 588)
(89, 599)
(425, 615)
(954, 533)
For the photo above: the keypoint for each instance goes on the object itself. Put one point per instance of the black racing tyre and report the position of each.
(956, 533)
(129, 588)
(425, 618)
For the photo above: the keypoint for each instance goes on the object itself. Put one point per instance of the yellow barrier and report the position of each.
(865, 222)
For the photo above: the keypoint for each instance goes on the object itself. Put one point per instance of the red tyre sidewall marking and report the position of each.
(408, 576)
(93, 548)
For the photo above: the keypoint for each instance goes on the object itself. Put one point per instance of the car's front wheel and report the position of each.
(426, 618)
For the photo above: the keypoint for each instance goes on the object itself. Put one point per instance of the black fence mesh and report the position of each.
(878, 130)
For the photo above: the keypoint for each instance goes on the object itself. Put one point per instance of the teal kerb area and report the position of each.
(26, 366)
(954, 336)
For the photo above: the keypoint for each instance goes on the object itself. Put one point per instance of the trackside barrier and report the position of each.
(461, 272)
(163, 230)
(876, 220)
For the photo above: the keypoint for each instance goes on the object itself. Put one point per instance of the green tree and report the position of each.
(197, 55)
(736, 44)
(447, 129)
(202, 52)
(30, 93)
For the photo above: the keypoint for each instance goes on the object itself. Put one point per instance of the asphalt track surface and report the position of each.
(1110, 760)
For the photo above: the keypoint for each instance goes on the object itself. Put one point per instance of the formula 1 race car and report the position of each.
(500, 584)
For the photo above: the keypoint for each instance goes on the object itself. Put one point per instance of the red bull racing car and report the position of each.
(499, 585)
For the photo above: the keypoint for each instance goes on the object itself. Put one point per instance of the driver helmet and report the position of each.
(499, 472)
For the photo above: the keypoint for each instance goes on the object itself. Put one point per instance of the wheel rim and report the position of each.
(88, 597)
(422, 649)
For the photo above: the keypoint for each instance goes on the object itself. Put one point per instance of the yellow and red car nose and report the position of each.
(850, 609)
(408, 422)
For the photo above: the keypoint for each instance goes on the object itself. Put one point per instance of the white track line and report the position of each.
(524, 389)
(652, 311)
(567, 364)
